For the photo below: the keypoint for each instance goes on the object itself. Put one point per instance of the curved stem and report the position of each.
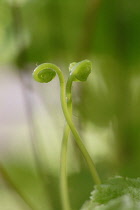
(74, 131)
(69, 121)
(76, 135)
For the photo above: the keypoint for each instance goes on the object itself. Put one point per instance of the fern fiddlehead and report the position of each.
(44, 73)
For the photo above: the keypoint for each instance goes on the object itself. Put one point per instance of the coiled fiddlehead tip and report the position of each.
(81, 70)
(43, 74)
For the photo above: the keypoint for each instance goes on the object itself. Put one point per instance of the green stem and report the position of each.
(63, 162)
(45, 73)
(63, 170)
(74, 131)
(42, 74)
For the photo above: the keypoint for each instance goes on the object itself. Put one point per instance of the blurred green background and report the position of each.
(107, 106)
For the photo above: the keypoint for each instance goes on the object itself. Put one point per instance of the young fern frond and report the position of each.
(44, 73)
(78, 72)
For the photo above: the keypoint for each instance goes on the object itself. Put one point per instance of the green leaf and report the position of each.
(117, 193)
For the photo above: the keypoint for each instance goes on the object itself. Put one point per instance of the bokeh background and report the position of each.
(106, 107)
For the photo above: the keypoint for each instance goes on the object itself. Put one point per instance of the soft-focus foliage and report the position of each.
(118, 194)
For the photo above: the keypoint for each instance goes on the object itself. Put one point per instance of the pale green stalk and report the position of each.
(48, 66)
(74, 131)
(63, 170)
(64, 185)
(63, 159)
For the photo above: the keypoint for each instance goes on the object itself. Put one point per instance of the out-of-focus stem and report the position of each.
(14, 187)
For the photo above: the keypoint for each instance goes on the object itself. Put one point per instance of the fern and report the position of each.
(117, 193)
